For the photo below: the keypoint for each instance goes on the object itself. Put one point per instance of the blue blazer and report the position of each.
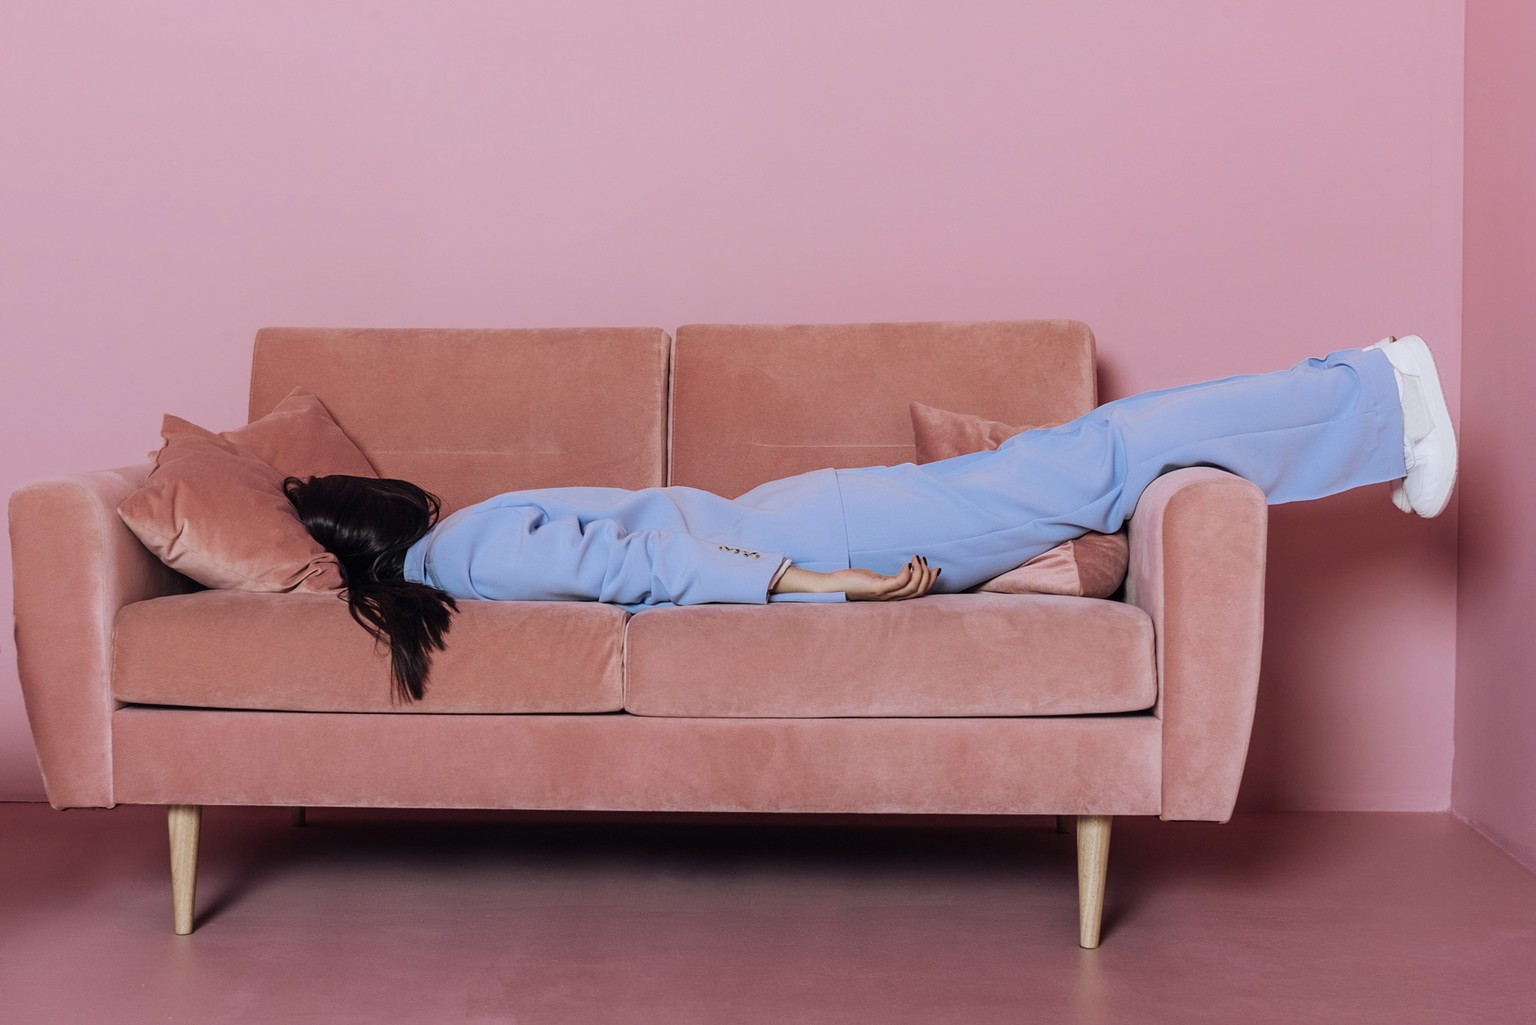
(684, 546)
(639, 549)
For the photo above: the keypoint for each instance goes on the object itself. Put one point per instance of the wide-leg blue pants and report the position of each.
(1324, 426)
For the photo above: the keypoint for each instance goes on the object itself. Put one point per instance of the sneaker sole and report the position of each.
(1419, 361)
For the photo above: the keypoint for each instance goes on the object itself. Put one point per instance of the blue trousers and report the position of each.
(1324, 426)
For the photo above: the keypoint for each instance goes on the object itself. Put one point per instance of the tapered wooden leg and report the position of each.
(1092, 863)
(185, 821)
(296, 816)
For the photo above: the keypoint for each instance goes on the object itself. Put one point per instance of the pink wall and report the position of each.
(1495, 771)
(1216, 187)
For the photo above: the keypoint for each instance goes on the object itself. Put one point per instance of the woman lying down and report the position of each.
(881, 533)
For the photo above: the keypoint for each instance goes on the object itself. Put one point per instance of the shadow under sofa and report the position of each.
(142, 688)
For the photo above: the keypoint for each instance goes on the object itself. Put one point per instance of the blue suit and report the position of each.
(1324, 426)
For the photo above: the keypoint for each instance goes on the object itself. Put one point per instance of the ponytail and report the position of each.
(368, 524)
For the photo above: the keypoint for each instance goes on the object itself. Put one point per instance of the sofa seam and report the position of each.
(669, 394)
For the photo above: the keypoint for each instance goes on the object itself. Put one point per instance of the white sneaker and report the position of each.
(1429, 439)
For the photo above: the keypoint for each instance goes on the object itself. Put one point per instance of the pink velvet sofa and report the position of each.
(142, 688)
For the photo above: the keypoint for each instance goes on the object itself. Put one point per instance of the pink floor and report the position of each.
(372, 917)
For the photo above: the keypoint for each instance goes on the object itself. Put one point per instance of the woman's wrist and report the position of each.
(793, 579)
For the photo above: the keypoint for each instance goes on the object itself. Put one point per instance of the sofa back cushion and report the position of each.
(469, 414)
(752, 403)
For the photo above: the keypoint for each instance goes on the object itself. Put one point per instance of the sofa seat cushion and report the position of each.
(942, 655)
(303, 652)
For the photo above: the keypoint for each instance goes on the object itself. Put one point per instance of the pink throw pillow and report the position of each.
(1091, 566)
(300, 438)
(214, 509)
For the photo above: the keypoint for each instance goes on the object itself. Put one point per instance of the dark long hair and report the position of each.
(368, 523)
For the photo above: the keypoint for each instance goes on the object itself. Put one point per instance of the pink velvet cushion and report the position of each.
(1091, 566)
(468, 414)
(944, 655)
(213, 507)
(300, 438)
(303, 652)
(756, 402)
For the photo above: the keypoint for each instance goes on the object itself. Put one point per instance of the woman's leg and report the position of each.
(1324, 426)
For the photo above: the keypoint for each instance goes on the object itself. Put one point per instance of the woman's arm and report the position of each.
(914, 581)
(512, 552)
(517, 553)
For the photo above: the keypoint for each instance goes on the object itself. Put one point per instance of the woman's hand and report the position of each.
(914, 581)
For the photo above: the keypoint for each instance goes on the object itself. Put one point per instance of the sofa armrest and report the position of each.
(74, 565)
(1197, 567)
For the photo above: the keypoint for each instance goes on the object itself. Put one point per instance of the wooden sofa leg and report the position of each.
(1092, 863)
(185, 821)
(296, 815)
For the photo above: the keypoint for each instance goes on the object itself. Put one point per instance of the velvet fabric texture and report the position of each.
(300, 438)
(1196, 581)
(752, 403)
(216, 649)
(942, 433)
(1090, 765)
(75, 564)
(1092, 566)
(469, 414)
(940, 656)
(214, 509)
(1197, 567)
